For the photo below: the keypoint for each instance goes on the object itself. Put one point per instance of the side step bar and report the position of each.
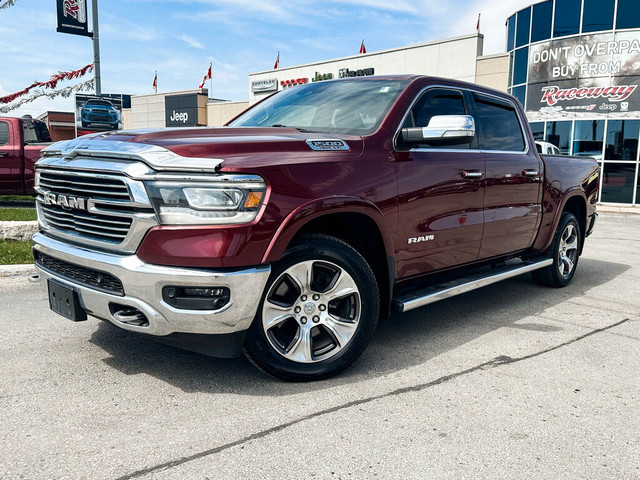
(439, 292)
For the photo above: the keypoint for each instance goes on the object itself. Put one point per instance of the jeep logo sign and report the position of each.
(181, 110)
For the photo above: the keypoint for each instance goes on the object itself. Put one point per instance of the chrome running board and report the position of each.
(435, 293)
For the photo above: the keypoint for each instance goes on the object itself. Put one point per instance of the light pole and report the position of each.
(96, 47)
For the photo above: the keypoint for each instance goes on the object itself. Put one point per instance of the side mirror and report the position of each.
(443, 130)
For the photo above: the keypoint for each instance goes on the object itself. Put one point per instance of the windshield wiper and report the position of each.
(287, 126)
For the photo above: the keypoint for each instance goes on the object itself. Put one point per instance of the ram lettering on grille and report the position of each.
(65, 201)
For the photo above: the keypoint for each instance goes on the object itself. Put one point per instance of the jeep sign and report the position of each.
(181, 110)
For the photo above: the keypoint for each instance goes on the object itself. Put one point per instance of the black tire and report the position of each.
(324, 331)
(564, 251)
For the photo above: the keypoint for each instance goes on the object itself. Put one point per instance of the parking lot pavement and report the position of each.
(510, 381)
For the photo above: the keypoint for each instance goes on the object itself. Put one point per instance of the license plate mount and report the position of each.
(64, 301)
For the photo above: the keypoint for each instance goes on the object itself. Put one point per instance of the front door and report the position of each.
(10, 161)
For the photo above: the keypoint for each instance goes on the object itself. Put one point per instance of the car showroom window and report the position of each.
(433, 102)
(498, 125)
(4, 133)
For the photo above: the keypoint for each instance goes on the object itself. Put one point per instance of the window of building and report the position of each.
(617, 182)
(541, 23)
(628, 14)
(519, 93)
(559, 134)
(588, 138)
(522, 27)
(597, 15)
(511, 32)
(622, 140)
(4, 133)
(567, 17)
(497, 124)
(436, 101)
(538, 130)
(520, 61)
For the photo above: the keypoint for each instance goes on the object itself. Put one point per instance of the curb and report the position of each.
(616, 209)
(17, 270)
(18, 230)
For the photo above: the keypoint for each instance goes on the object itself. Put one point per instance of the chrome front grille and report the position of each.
(96, 187)
(103, 209)
(107, 228)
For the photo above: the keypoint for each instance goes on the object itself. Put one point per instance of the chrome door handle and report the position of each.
(531, 173)
(471, 174)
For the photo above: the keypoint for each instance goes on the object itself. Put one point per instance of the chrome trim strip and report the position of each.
(143, 284)
(157, 157)
(410, 304)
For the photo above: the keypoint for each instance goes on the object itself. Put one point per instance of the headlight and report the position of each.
(221, 201)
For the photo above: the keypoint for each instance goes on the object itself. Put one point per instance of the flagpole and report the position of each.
(210, 81)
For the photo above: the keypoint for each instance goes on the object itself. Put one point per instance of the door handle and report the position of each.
(471, 174)
(531, 173)
(4, 154)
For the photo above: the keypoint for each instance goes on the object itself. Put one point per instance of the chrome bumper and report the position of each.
(143, 285)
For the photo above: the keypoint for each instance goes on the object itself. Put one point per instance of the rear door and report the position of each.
(10, 159)
(512, 200)
(440, 192)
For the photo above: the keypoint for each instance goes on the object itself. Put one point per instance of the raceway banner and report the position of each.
(594, 74)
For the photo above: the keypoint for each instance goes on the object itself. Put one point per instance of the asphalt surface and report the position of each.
(510, 381)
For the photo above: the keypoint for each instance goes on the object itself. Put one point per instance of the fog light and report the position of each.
(196, 298)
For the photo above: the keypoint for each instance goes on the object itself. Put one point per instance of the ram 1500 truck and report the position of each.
(311, 215)
(21, 140)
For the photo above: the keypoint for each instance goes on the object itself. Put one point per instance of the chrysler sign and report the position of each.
(269, 85)
(593, 74)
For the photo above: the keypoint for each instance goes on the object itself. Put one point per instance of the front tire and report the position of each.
(318, 313)
(564, 251)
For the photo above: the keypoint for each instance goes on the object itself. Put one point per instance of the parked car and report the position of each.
(311, 215)
(100, 114)
(21, 140)
(546, 148)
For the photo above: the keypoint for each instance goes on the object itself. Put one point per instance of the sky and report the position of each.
(179, 38)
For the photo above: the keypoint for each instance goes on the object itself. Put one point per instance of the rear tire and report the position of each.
(564, 252)
(318, 312)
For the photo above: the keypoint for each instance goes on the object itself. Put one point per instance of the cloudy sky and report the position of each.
(179, 38)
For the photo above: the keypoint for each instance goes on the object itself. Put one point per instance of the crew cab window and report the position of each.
(497, 125)
(4, 133)
(433, 102)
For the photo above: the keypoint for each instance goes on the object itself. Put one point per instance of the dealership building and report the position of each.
(573, 64)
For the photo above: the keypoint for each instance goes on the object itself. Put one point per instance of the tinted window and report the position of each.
(567, 17)
(559, 134)
(4, 133)
(588, 137)
(519, 93)
(598, 15)
(497, 125)
(628, 14)
(541, 23)
(520, 60)
(437, 101)
(511, 32)
(617, 182)
(622, 140)
(522, 27)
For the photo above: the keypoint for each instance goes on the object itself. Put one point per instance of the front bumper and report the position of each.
(143, 284)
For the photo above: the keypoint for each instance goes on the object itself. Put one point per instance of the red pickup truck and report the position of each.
(21, 140)
(292, 230)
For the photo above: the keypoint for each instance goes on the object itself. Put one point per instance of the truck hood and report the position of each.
(206, 149)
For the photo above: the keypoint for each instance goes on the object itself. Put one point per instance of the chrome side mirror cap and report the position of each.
(443, 130)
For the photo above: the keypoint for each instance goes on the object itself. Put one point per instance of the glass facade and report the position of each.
(564, 69)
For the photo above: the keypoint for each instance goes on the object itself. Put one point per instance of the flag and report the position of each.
(155, 83)
(277, 64)
(206, 77)
(362, 48)
(478, 24)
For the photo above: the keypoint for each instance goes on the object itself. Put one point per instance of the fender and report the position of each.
(306, 212)
(568, 195)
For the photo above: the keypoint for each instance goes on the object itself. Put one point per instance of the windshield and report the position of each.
(351, 107)
(101, 103)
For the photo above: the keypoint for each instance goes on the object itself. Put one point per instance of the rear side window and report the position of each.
(497, 125)
(4, 133)
(433, 102)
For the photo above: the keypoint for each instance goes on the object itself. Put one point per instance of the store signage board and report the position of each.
(181, 110)
(585, 76)
(268, 85)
